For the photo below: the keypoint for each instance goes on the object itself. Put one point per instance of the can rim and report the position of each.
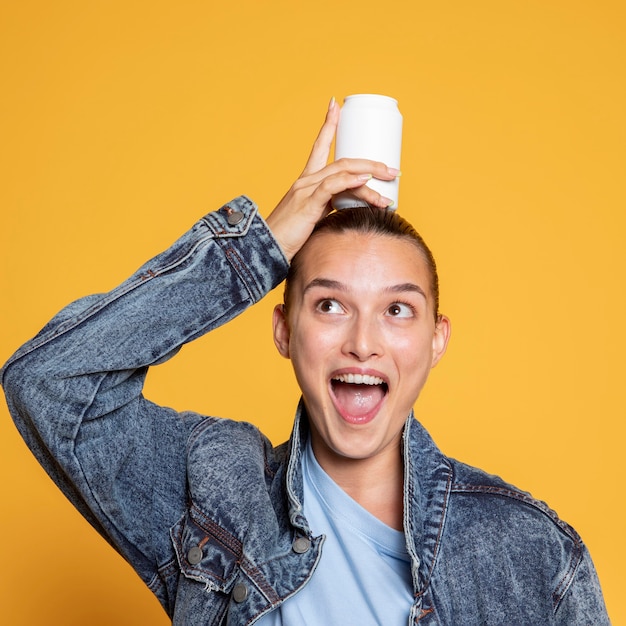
(373, 96)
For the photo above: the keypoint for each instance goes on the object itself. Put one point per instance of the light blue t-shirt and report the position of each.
(364, 575)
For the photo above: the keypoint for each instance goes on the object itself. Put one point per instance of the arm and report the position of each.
(582, 602)
(75, 390)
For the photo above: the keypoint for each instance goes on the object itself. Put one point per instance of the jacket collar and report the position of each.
(427, 483)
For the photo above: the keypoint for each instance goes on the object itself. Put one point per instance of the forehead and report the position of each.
(366, 261)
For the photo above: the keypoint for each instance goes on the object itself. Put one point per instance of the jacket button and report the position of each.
(234, 217)
(194, 556)
(301, 545)
(240, 592)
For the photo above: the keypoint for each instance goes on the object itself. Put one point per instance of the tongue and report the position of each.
(358, 400)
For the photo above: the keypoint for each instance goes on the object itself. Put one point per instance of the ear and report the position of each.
(441, 336)
(281, 330)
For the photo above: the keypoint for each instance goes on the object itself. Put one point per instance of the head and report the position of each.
(361, 325)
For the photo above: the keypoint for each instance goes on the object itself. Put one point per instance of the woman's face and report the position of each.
(362, 337)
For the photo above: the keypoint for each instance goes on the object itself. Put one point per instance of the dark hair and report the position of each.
(370, 220)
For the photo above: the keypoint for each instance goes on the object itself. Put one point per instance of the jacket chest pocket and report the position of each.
(208, 558)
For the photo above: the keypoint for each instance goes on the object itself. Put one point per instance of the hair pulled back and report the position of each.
(370, 220)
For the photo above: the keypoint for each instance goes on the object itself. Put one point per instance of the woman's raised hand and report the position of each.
(308, 200)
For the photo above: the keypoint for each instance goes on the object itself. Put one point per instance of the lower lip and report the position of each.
(360, 419)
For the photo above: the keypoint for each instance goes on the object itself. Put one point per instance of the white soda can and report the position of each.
(370, 127)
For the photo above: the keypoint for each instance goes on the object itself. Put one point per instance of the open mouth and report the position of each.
(358, 397)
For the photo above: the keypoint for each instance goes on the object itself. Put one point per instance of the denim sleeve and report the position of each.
(583, 602)
(75, 390)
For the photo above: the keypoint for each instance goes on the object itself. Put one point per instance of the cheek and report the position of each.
(413, 355)
(311, 341)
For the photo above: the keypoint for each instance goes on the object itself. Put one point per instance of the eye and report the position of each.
(329, 306)
(401, 309)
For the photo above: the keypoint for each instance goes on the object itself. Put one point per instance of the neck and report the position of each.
(376, 483)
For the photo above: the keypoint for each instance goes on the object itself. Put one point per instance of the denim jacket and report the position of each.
(208, 513)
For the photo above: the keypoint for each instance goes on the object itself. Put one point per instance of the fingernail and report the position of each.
(332, 103)
(388, 202)
(365, 176)
(394, 172)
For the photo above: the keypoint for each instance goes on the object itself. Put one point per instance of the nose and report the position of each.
(363, 339)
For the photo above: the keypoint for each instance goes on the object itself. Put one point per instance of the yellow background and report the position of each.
(122, 122)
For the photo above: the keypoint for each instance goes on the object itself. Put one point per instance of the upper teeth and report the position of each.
(359, 379)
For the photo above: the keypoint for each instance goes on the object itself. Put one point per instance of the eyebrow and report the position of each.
(327, 283)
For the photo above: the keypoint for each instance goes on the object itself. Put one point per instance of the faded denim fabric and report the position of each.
(208, 512)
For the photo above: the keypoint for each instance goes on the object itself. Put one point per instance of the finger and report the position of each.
(333, 185)
(363, 166)
(372, 197)
(321, 148)
(353, 166)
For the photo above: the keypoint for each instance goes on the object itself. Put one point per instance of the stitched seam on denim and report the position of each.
(291, 470)
(568, 577)
(199, 428)
(230, 542)
(242, 270)
(268, 469)
(521, 497)
(167, 569)
(154, 583)
(207, 572)
(256, 576)
(112, 296)
(235, 547)
(291, 594)
(439, 534)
